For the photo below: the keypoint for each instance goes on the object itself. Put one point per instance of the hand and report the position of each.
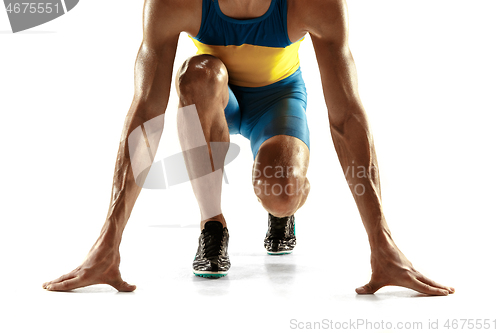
(100, 266)
(390, 267)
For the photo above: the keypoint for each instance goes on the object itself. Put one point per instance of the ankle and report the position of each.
(219, 218)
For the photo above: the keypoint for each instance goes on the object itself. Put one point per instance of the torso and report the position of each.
(249, 36)
(254, 8)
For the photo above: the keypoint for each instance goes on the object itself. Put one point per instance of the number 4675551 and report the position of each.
(27, 7)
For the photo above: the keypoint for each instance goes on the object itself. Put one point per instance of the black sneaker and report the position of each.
(280, 237)
(211, 260)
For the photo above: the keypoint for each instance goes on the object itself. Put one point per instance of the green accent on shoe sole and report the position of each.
(210, 275)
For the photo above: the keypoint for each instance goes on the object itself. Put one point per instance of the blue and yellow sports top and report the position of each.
(257, 52)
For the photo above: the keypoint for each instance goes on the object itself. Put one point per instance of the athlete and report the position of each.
(246, 79)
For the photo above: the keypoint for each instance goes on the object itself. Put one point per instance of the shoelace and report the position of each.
(277, 227)
(213, 243)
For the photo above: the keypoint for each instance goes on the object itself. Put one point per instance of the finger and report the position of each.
(427, 289)
(121, 285)
(369, 288)
(430, 282)
(61, 278)
(66, 285)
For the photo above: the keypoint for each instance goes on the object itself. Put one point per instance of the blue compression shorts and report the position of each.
(262, 112)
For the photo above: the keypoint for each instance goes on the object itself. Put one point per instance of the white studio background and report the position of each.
(428, 76)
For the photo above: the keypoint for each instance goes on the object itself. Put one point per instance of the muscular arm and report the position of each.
(152, 78)
(153, 75)
(327, 25)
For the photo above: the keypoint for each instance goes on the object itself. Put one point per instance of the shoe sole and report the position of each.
(279, 253)
(210, 275)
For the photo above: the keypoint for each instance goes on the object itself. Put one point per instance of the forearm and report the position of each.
(356, 153)
(128, 178)
(152, 78)
(351, 133)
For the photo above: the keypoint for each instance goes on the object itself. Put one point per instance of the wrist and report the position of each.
(380, 238)
(110, 236)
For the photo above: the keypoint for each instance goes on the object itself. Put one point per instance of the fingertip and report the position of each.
(452, 290)
(361, 290)
(127, 287)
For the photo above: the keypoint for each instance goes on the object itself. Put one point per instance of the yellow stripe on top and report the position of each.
(254, 66)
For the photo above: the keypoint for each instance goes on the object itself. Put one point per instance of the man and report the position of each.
(246, 79)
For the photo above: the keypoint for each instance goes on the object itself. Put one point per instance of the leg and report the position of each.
(202, 81)
(276, 125)
(282, 187)
(279, 175)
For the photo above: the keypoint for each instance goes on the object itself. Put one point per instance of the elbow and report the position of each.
(146, 109)
(338, 125)
(341, 121)
(350, 127)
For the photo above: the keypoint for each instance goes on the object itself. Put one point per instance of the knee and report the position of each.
(201, 74)
(281, 197)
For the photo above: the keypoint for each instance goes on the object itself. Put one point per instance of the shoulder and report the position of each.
(320, 18)
(172, 15)
(173, 5)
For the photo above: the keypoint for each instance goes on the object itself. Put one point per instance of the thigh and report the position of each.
(287, 117)
(277, 109)
(233, 113)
